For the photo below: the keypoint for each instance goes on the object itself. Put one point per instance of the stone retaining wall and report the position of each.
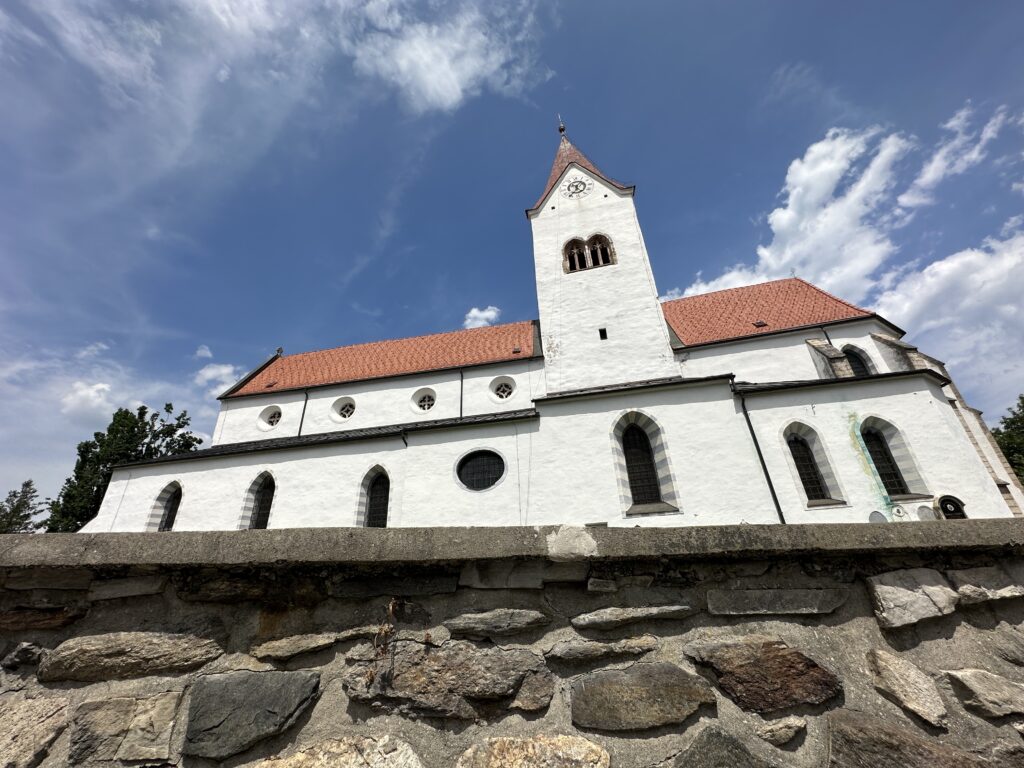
(895, 646)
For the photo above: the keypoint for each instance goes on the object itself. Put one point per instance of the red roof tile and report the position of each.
(731, 314)
(566, 153)
(380, 359)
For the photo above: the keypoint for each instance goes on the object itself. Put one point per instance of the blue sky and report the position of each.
(189, 185)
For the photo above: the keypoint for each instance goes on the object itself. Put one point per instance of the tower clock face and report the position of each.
(576, 187)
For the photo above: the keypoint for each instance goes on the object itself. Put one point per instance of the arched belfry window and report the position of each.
(258, 502)
(891, 458)
(859, 361)
(375, 497)
(595, 252)
(642, 465)
(165, 509)
(817, 480)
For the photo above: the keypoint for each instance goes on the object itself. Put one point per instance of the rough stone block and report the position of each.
(350, 752)
(133, 586)
(52, 617)
(149, 734)
(519, 574)
(287, 647)
(394, 586)
(501, 622)
(97, 730)
(541, 751)
(979, 585)
(857, 740)
(714, 748)
(780, 732)
(28, 728)
(986, 693)
(908, 685)
(595, 584)
(763, 674)
(229, 713)
(119, 655)
(49, 578)
(579, 649)
(609, 618)
(22, 655)
(905, 597)
(766, 602)
(638, 697)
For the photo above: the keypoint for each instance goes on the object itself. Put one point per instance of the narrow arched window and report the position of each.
(886, 466)
(807, 468)
(643, 477)
(377, 501)
(170, 509)
(858, 363)
(575, 256)
(262, 501)
(600, 249)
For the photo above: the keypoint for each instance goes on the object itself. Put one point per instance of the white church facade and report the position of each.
(771, 403)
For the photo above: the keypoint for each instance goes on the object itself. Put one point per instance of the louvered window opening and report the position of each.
(807, 468)
(480, 470)
(377, 502)
(262, 502)
(170, 510)
(885, 464)
(643, 477)
(857, 364)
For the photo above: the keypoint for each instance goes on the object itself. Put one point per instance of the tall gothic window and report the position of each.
(596, 252)
(858, 363)
(575, 256)
(807, 468)
(263, 499)
(886, 466)
(377, 501)
(170, 507)
(643, 477)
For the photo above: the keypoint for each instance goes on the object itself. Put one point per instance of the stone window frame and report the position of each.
(156, 515)
(863, 355)
(823, 459)
(669, 503)
(585, 244)
(902, 455)
(363, 500)
(249, 502)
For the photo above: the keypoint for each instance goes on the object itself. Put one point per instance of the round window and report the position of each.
(343, 408)
(503, 387)
(424, 399)
(480, 470)
(270, 417)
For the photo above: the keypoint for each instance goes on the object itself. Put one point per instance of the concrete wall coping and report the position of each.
(412, 546)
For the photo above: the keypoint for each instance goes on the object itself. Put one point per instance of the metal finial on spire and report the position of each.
(561, 125)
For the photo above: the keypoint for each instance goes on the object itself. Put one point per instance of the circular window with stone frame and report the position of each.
(269, 418)
(480, 470)
(502, 388)
(423, 400)
(343, 409)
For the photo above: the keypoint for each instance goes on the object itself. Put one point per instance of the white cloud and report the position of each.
(202, 351)
(1018, 186)
(92, 350)
(478, 318)
(1011, 225)
(671, 293)
(221, 375)
(87, 400)
(954, 155)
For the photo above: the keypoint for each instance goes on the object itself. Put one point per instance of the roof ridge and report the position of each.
(405, 338)
(833, 296)
(741, 288)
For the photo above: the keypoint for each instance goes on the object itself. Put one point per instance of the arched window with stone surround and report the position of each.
(259, 500)
(165, 509)
(597, 251)
(859, 360)
(811, 465)
(642, 465)
(600, 249)
(891, 458)
(374, 499)
(575, 256)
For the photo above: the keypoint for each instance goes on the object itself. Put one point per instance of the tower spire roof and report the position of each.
(566, 154)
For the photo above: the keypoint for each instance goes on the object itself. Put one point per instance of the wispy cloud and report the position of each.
(478, 318)
(202, 352)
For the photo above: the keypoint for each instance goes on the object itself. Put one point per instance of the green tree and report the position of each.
(17, 510)
(1010, 436)
(131, 436)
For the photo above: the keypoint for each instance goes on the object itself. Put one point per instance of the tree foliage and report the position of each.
(17, 510)
(1010, 436)
(130, 436)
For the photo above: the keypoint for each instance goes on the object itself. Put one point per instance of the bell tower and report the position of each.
(600, 319)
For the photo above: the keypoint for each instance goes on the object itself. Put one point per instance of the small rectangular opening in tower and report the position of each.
(603, 333)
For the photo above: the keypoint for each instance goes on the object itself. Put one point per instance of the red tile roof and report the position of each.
(566, 153)
(731, 314)
(381, 359)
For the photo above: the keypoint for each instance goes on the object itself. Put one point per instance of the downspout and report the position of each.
(760, 456)
(462, 384)
(827, 338)
(302, 418)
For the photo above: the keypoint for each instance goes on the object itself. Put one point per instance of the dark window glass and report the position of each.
(807, 468)
(479, 470)
(377, 502)
(261, 504)
(884, 463)
(606, 257)
(857, 364)
(643, 478)
(170, 510)
(952, 508)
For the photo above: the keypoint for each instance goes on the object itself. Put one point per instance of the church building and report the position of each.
(771, 403)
